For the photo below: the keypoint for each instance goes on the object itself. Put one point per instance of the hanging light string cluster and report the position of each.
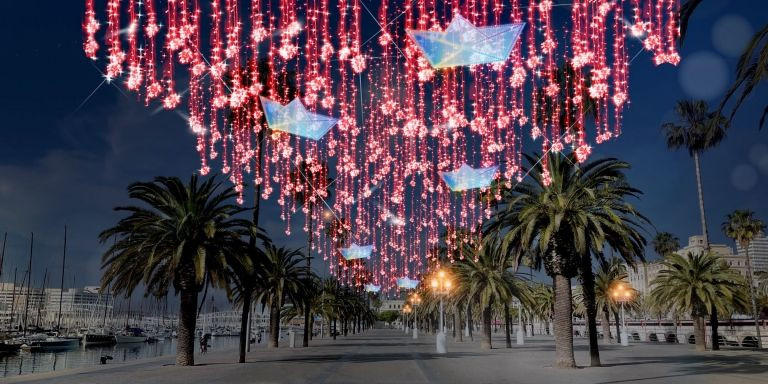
(391, 139)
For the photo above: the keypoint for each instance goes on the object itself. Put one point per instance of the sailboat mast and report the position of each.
(61, 288)
(106, 303)
(13, 300)
(29, 282)
(2, 256)
(43, 286)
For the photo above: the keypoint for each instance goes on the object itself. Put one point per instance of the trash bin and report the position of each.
(295, 339)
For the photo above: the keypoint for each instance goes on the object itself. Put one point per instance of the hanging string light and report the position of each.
(407, 109)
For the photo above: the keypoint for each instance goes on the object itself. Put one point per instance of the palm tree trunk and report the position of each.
(456, 325)
(486, 343)
(588, 286)
(618, 325)
(185, 349)
(606, 325)
(507, 326)
(335, 330)
(274, 323)
(700, 190)
(563, 323)
(698, 330)
(470, 322)
(244, 331)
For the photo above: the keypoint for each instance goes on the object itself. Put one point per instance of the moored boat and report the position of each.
(92, 339)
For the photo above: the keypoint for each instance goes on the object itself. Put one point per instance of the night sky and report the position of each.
(68, 148)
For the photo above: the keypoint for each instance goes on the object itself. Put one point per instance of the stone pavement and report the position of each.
(389, 356)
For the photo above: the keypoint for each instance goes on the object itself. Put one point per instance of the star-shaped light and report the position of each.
(372, 288)
(357, 252)
(463, 44)
(296, 120)
(407, 283)
(467, 177)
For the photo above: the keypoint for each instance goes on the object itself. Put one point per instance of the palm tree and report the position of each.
(543, 303)
(610, 275)
(283, 84)
(182, 236)
(742, 227)
(697, 130)
(485, 275)
(664, 243)
(312, 186)
(697, 284)
(751, 70)
(564, 223)
(282, 280)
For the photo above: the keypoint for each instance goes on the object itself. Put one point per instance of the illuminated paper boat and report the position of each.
(372, 288)
(294, 118)
(407, 283)
(357, 252)
(462, 43)
(467, 177)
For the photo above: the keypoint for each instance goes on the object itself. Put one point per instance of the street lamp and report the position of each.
(415, 300)
(441, 283)
(621, 294)
(406, 311)
(520, 335)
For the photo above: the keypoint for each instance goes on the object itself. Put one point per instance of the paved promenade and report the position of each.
(388, 356)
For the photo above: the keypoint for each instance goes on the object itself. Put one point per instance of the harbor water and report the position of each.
(25, 362)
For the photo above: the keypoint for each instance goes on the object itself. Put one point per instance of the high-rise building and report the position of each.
(758, 252)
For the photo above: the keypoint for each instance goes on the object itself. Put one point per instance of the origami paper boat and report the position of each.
(462, 43)
(294, 118)
(407, 283)
(372, 288)
(357, 252)
(467, 177)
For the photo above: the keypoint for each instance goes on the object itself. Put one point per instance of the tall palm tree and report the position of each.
(742, 226)
(486, 276)
(282, 84)
(312, 187)
(182, 235)
(697, 284)
(247, 273)
(697, 130)
(563, 223)
(283, 280)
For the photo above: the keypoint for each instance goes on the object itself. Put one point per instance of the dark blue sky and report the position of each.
(66, 163)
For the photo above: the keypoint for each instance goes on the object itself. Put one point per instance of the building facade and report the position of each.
(737, 261)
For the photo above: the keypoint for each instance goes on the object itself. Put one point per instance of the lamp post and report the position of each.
(621, 294)
(441, 283)
(415, 300)
(520, 334)
(406, 311)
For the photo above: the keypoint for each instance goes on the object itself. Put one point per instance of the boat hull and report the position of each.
(53, 345)
(92, 339)
(123, 339)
